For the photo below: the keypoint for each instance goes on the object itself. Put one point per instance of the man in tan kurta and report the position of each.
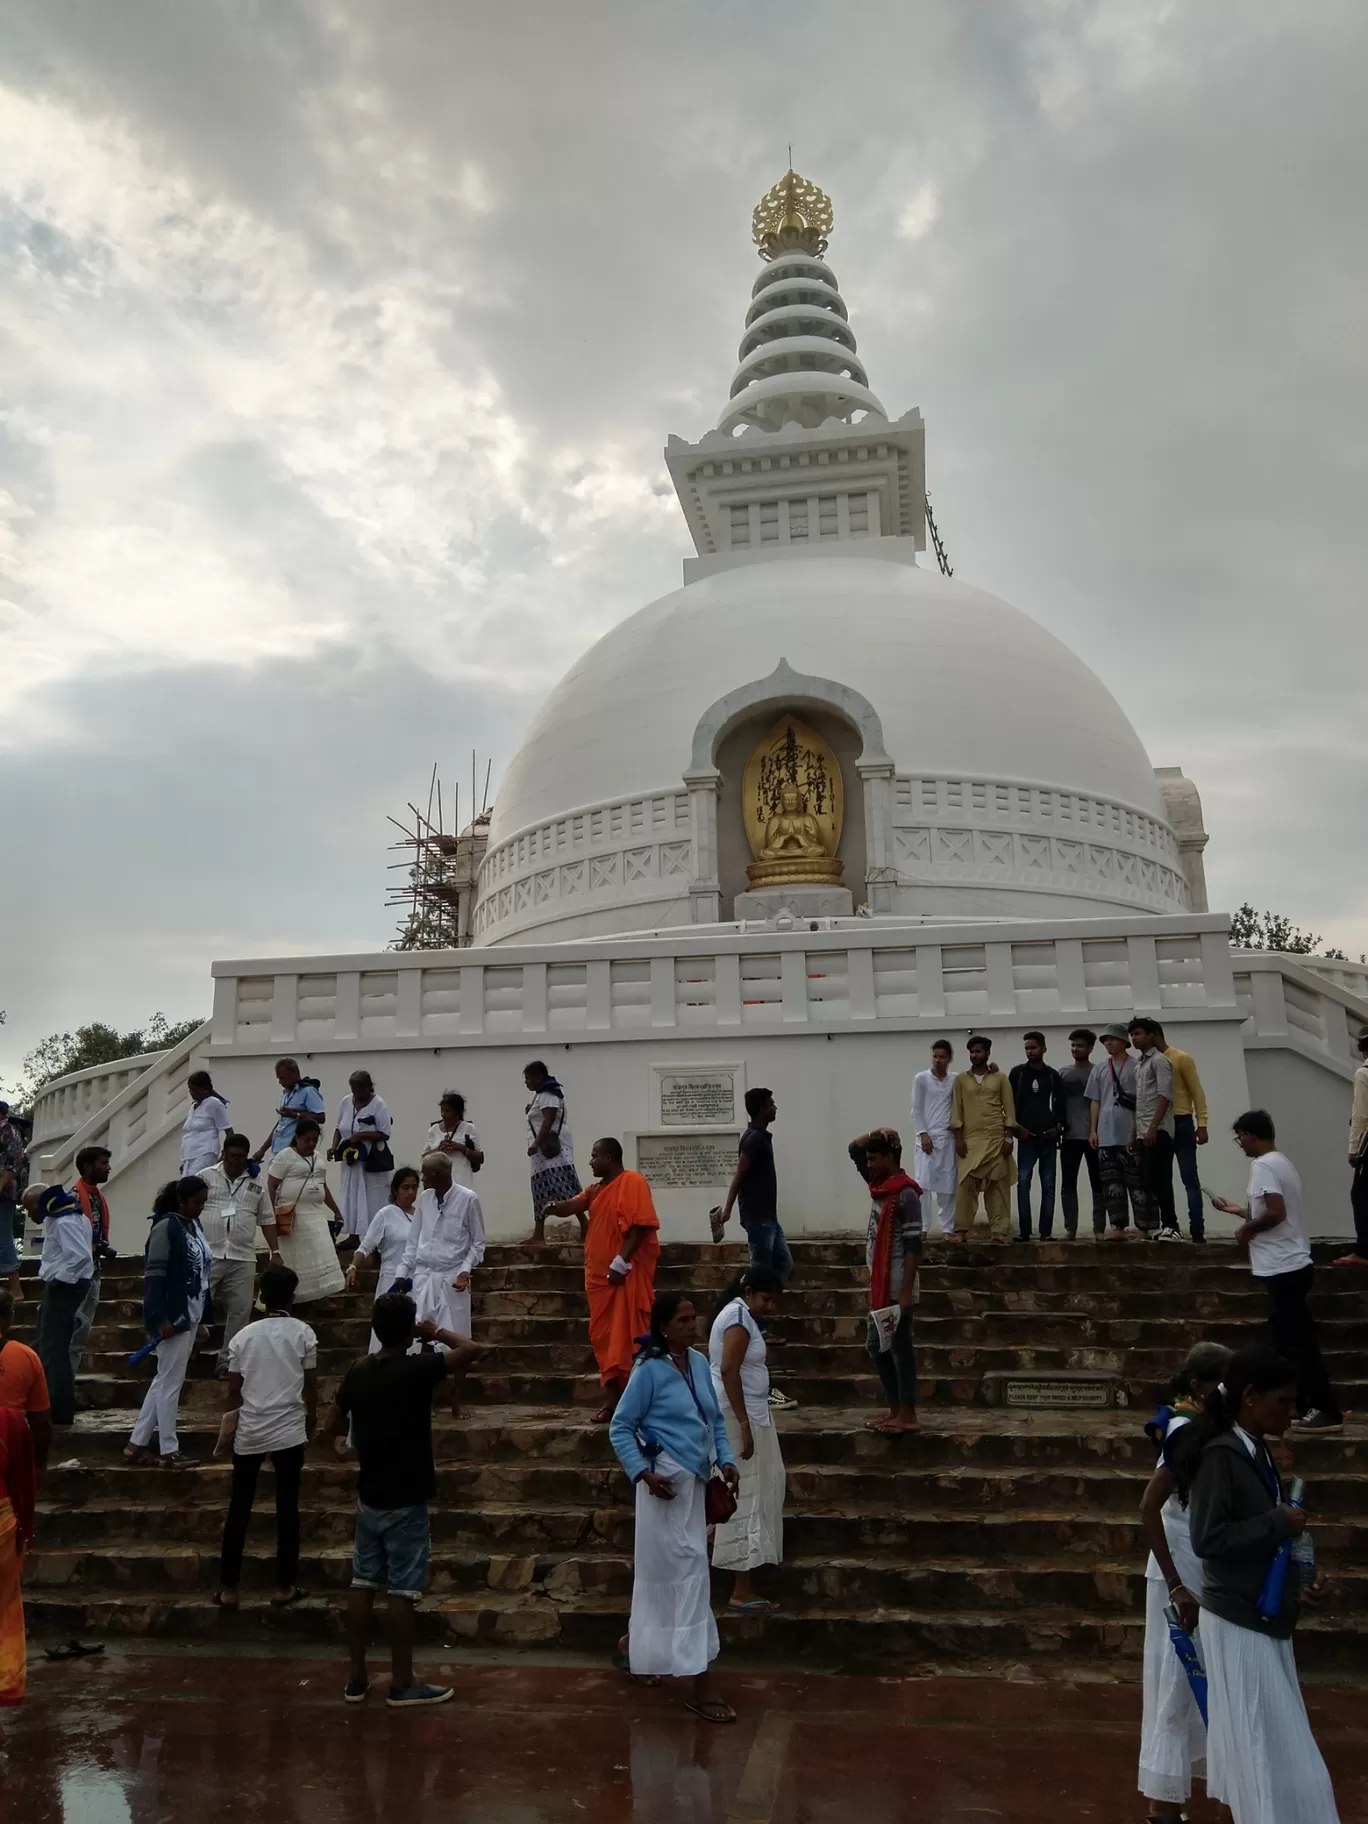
(983, 1120)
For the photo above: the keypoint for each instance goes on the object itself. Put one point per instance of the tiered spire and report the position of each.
(798, 363)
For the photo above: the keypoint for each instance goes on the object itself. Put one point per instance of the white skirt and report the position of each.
(672, 1633)
(308, 1250)
(1262, 1759)
(1172, 1735)
(362, 1195)
(755, 1533)
(435, 1298)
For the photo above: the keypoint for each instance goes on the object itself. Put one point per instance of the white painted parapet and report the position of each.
(864, 996)
(67, 1103)
(856, 975)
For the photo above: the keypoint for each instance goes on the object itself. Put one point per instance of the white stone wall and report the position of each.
(835, 1021)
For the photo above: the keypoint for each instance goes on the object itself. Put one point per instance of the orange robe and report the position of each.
(16, 1535)
(619, 1314)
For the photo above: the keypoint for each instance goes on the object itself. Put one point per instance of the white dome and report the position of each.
(962, 683)
(1018, 788)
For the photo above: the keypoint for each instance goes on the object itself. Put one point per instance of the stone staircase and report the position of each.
(1001, 1535)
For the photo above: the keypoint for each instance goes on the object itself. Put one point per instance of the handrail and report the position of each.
(101, 1128)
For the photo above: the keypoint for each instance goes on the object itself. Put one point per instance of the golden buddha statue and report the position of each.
(793, 801)
(792, 830)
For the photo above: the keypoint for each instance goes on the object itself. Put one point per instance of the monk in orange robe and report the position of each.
(620, 1254)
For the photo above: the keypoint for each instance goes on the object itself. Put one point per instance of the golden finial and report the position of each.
(794, 214)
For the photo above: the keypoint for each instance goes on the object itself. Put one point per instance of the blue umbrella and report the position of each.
(1187, 1659)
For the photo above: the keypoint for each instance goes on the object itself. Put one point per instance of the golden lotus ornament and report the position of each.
(793, 805)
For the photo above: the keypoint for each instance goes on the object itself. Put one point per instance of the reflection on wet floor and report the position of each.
(91, 1796)
(186, 1737)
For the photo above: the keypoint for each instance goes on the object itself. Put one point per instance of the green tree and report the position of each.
(97, 1043)
(1251, 930)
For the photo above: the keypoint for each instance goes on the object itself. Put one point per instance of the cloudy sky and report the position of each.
(339, 342)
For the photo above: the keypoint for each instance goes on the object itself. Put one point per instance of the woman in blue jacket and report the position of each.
(668, 1432)
(175, 1304)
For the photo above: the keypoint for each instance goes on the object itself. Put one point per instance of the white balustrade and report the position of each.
(853, 974)
(1290, 1003)
(65, 1104)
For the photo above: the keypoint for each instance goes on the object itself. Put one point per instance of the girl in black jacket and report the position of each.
(1262, 1760)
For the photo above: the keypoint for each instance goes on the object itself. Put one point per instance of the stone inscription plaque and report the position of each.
(687, 1162)
(697, 1098)
(1043, 1393)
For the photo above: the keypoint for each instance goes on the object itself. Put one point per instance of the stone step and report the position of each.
(533, 1511)
(831, 1637)
(350, 1335)
(1235, 1304)
(955, 1386)
(995, 1535)
(548, 1438)
(879, 1581)
(886, 1485)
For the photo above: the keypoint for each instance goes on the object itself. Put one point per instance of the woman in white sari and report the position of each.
(1173, 1741)
(301, 1200)
(736, 1352)
(453, 1135)
(667, 1431)
(362, 1134)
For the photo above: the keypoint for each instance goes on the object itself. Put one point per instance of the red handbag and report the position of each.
(719, 1503)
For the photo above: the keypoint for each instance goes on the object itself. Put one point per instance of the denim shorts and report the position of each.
(391, 1549)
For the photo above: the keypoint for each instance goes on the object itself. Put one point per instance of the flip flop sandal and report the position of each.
(284, 1602)
(622, 1664)
(713, 1707)
(222, 1601)
(177, 1459)
(134, 1453)
(758, 1607)
(603, 1416)
(74, 1649)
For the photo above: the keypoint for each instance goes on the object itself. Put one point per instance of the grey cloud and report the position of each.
(1134, 325)
(217, 811)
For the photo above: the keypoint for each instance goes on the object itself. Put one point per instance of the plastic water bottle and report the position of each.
(1303, 1551)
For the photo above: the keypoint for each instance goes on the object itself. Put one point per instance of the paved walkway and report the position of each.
(177, 1736)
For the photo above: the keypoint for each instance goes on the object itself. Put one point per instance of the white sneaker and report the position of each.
(780, 1401)
(1170, 1235)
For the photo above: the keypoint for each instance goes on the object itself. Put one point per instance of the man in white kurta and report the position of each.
(446, 1243)
(935, 1164)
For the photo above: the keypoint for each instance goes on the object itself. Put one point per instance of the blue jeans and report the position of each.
(1030, 1153)
(768, 1246)
(391, 1549)
(1185, 1151)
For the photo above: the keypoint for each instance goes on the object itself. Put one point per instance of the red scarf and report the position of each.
(18, 1481)
(92, 1201)
(881, 1267)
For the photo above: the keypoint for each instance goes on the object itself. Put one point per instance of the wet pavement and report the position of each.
(179, 1736)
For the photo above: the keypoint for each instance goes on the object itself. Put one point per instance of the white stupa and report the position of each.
(986, 771)
(784, 827)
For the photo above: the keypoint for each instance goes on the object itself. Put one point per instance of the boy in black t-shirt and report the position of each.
(386, 1399)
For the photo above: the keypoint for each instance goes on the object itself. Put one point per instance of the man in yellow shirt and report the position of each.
(983, 1120)
(1189, 1132)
